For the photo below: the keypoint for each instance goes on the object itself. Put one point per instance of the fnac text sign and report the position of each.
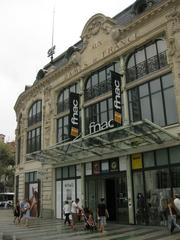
(116, 98)
(74, 102)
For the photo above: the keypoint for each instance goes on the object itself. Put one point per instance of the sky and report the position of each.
(26, 36)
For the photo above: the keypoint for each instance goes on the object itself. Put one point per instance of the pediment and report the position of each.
(98, 23)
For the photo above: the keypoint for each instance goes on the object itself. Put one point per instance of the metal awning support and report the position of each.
(123, 140)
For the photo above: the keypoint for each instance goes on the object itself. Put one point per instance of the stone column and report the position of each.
(173, 52)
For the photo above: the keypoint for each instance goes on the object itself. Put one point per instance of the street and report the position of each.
(53, 229)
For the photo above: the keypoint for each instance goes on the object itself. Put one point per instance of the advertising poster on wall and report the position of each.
(68, 190)
(34, 199)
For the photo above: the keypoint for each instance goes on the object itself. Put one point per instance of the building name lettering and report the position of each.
(96, 44)
(110, 50)
(96, 127)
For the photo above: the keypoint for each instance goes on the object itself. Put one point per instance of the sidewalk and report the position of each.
(53, 229)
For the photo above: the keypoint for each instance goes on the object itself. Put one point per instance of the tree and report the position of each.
(7, 166)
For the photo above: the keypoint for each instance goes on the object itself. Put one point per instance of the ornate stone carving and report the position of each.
(116, 34)
(75, 59)
(174, 21)
(97, 23)
(47, 110)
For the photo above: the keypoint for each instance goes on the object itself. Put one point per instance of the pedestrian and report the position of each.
(74, 211)
(102, 214)
(22, 210)
(172, 224)
(26, 215)
(17, 212)
(67, 212)
(177, 203)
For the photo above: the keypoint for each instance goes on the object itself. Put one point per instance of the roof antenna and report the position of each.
(51, 51)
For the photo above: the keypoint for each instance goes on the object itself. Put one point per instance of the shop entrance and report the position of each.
(114, 190)
(110, 198)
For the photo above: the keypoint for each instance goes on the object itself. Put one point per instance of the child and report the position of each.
(67, 212)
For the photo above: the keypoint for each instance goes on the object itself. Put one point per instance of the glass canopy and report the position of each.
(136, 137)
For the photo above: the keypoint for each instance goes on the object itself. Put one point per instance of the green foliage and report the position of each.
(7, 163)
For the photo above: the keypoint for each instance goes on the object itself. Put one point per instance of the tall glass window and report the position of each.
(99, 82)
(63, 97)
(147, 59)
(34, 140)
(35, 113)
(62, 128)
(34, 132)
(155, 101)
(98, 115)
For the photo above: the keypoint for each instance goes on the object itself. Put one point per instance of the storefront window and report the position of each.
(78, 170)
(175, 173)
(72, 171)
(58, 173)
(65, 172)
(104, 166)
(139, 197)
(88, 169)
(161, 157)
(148, 159)
(175, 155)
(157, 185)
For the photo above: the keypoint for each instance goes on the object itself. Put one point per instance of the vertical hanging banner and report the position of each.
(74, 102)
(116, 98)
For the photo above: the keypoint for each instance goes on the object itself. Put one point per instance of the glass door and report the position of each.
(122, 214)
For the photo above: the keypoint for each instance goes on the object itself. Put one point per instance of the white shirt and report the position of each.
(74, 207)
(177, 204)
(66, 208)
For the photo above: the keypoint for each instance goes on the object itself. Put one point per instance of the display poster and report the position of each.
(69, 190)
(34, 199)
(114, 165)
(96, 167)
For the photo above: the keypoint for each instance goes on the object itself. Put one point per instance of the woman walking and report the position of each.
(172, 224)
(17, 212)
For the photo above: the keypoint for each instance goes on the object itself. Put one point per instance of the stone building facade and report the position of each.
(130, 157)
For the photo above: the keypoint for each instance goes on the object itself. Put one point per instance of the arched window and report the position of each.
(63, 97)
(146, 59)
(34, 122)
(99, 82)
(63, 106)
(35, 113)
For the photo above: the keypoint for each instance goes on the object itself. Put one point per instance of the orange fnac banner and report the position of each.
(117, 117)
(74, 132)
